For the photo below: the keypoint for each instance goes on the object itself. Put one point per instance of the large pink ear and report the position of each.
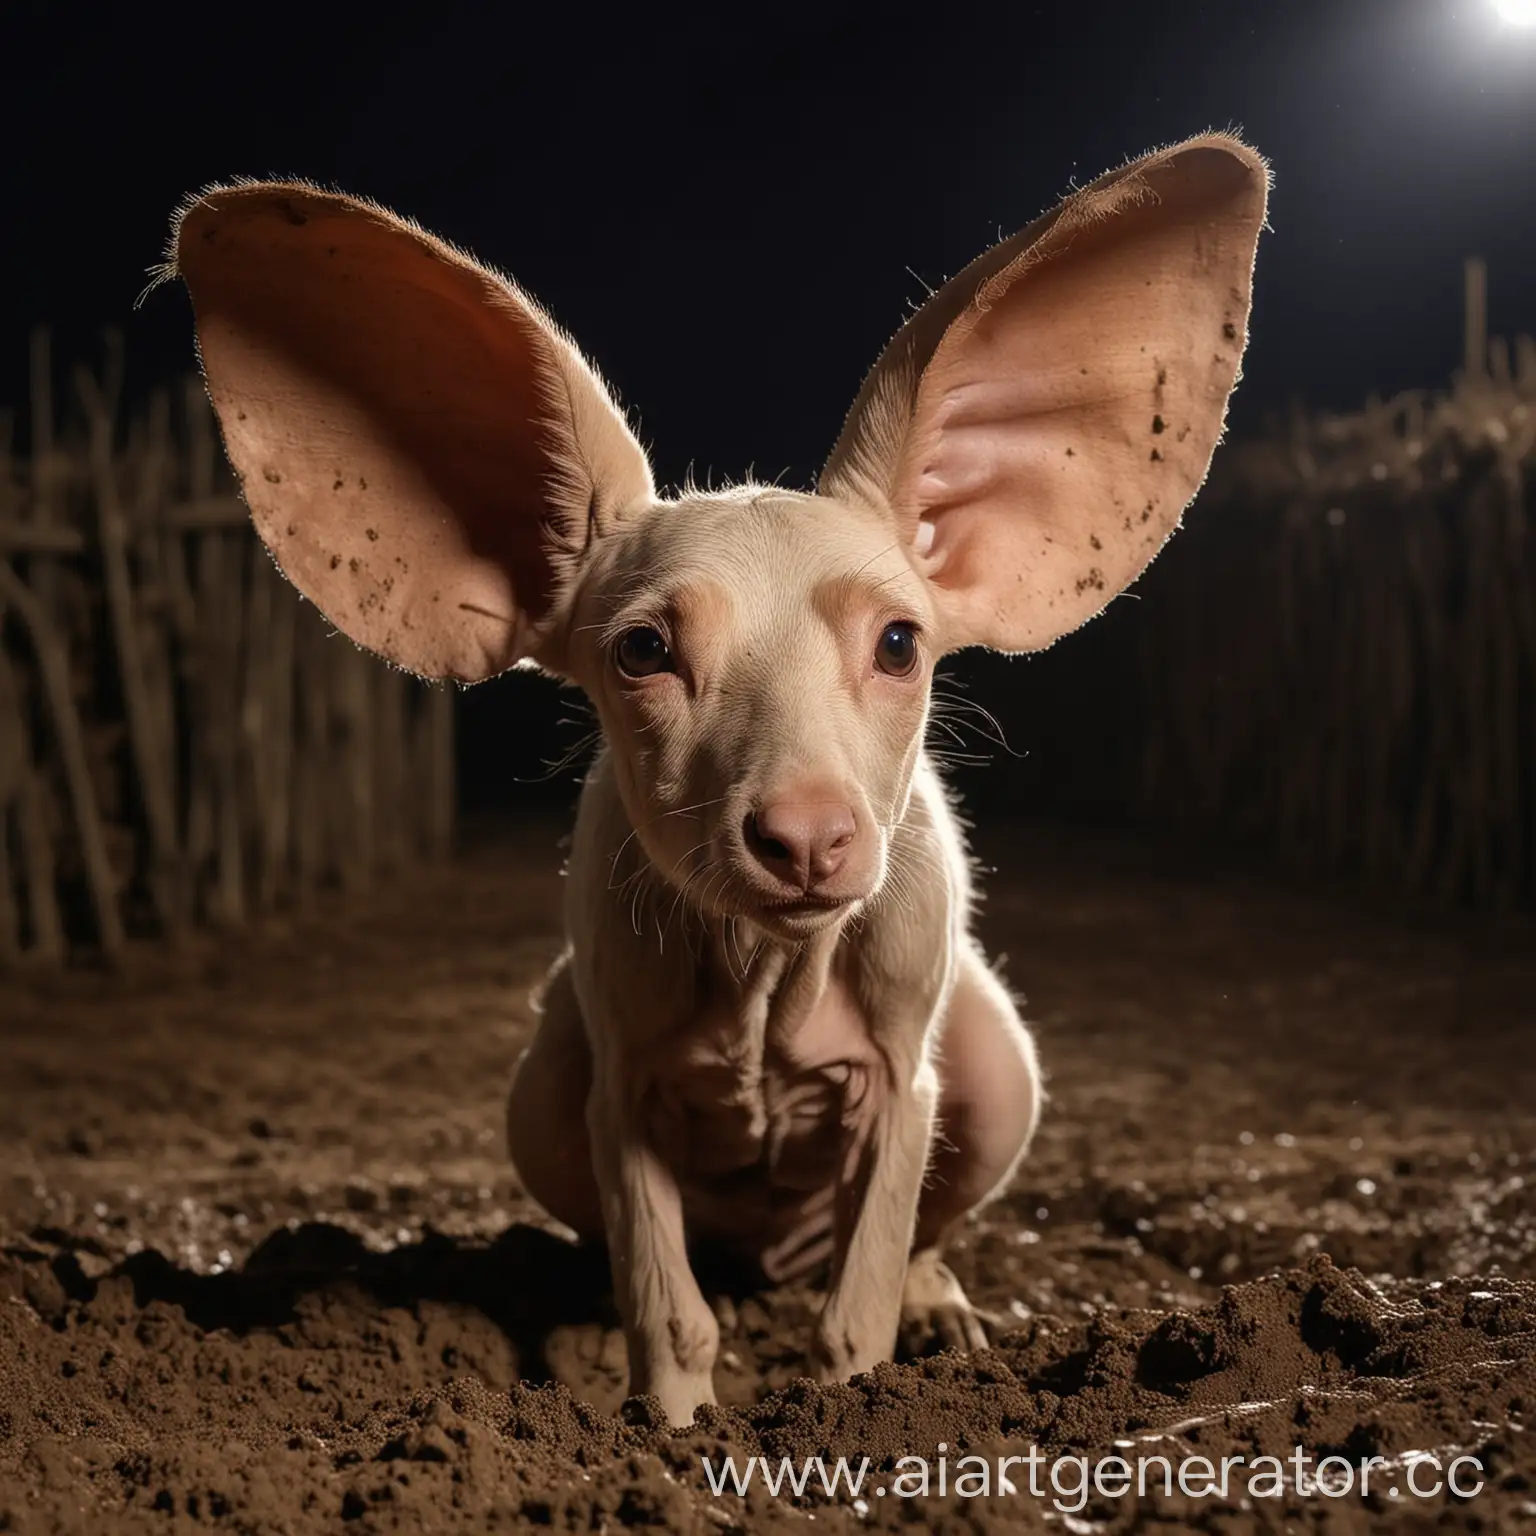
(1039, 425)
(423, 451)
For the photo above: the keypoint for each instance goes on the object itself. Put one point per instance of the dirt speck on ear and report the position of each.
(1156, 457)
(1095, 541)
(354, 565)
(272, 477)
(1159, 425)
(335, 561)
(1229, 330)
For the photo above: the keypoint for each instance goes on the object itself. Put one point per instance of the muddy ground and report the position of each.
(263, 1266)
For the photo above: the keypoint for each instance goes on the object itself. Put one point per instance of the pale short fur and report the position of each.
(772, 1026)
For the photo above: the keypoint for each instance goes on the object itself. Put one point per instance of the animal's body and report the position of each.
(773, 1026)
(763, 1079)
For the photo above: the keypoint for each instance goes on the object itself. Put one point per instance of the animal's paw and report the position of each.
(935, 1311)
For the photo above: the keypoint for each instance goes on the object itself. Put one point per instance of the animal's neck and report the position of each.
(737, 963)
(770, 984)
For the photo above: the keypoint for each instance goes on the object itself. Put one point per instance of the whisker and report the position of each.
(682, 810)
(952, 708)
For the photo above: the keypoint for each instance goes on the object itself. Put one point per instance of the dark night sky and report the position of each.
(725, 211)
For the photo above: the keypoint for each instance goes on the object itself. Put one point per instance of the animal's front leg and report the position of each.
(671, 1332)
(858, 1325)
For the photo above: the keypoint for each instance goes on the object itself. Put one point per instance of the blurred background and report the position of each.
(1332, 671)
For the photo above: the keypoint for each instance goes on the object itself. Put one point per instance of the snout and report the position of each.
(801, 843)
(808, 849)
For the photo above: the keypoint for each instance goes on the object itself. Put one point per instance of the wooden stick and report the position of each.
(280, 756)
(27, 802)
(255, 658)
(10, 912)
(13, 765)
(1475, 320)
(310, 775)
(353, 707)
(157, 608)
(390, 767)
(151, 768)
(44, 511)
(31, 539)
(1525, 366)
(47, 923)
(221, 606)
(53, 664)
(440, 787)
(203, 512)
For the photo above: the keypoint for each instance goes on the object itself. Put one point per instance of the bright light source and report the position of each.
(1518, 13)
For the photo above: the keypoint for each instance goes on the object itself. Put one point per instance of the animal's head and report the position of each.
(435, 466)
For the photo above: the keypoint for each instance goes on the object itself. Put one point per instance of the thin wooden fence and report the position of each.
(1352, 673)
(183, 740)
(1337, 658)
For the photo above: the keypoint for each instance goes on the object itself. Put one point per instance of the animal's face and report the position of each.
(761, 663)
(435, 465)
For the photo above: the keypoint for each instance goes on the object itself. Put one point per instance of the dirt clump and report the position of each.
(264, 1267)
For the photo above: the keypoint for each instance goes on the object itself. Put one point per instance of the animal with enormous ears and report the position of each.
(772, 1026)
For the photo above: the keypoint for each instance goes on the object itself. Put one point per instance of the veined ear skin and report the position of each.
(420, 446)
(1036, 430)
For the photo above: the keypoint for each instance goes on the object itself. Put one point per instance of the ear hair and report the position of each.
(1020, 413)
(446, 454)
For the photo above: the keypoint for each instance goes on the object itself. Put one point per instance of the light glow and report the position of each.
(1518, 13)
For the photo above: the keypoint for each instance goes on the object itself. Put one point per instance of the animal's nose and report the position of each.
(801, 841)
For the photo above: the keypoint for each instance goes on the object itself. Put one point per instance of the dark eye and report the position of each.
(897, 650)
(642, 652)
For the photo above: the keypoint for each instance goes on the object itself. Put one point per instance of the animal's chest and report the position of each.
(776, 1102)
